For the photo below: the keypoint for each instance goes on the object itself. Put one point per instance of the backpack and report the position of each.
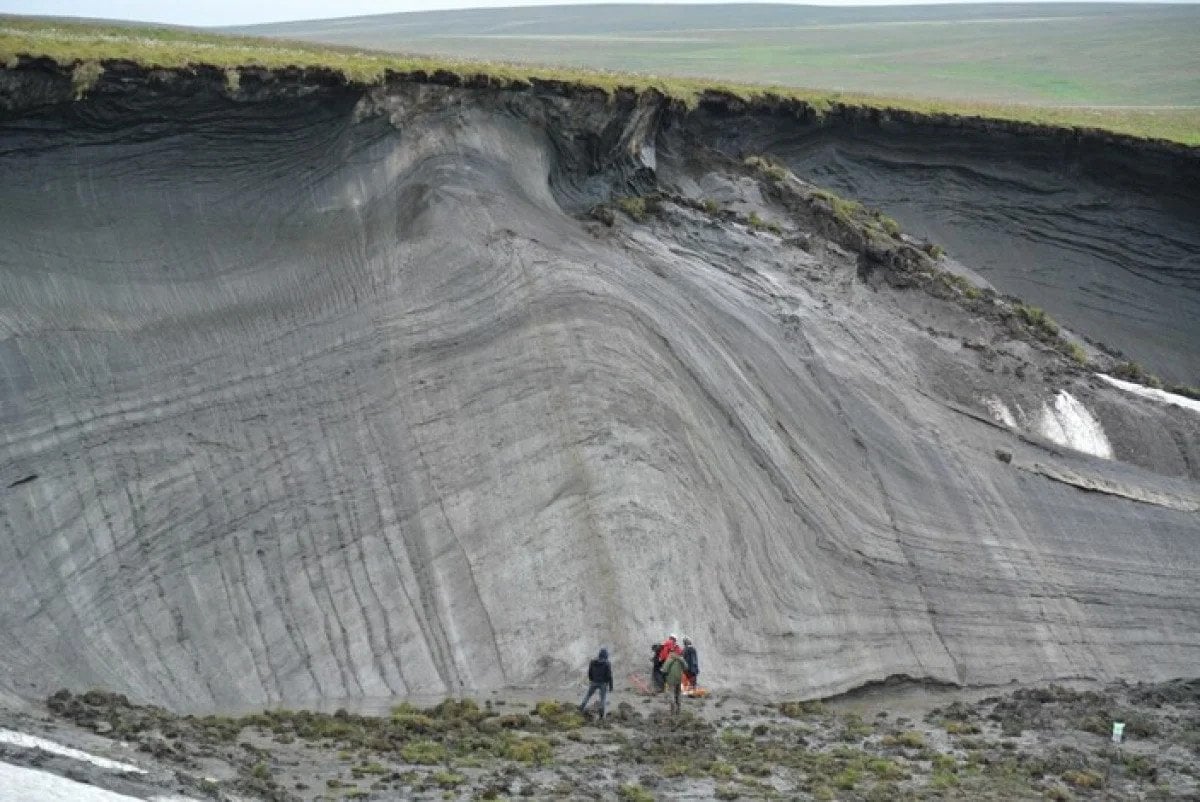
(596, 670)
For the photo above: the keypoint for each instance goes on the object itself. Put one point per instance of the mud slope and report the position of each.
(1105, 238)
(316, 392)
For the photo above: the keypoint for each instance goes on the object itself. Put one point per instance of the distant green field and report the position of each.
(68, 41)
(1046, 54)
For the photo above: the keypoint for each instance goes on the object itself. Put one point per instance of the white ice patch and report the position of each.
(34, 742)
(1000, 412)
(22, 784)
(1069, 424)
(1150, 392)
(649, 156)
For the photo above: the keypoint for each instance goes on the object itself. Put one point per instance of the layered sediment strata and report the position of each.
(315, 391)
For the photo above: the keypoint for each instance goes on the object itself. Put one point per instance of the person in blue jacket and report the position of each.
(599, 679)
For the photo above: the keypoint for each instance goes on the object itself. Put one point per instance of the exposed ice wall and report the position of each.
(1070, 424)
(1000, 412)
(329, 453)
(1066, 421)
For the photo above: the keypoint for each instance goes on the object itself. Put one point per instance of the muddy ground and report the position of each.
(889, 743)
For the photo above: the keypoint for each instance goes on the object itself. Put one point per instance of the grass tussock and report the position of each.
(447, 779)
(84, 76)
(874, 224)
(910, 739)
(845, 209)
(1077, 354)
(889, 225)
(960, 284)
(427, 753)
(756, 223)
(1084, 779)
(532, 749)
(766, 167)
(803, 709)
(1036, 318)
(961, 728)
(72, 42)
(634, 793)
(635, 207)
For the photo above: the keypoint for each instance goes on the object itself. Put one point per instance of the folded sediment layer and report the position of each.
(320, 392)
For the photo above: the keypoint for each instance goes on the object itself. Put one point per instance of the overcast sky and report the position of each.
(241, 12)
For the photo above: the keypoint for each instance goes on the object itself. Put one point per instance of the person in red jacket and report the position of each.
(670, 646)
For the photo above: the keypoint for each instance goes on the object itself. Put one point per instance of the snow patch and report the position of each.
(34, 785)
(24, 741)
(1000, 412)
(1070, 424)
(1150, 392)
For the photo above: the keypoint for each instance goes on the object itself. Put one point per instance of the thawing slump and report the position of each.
(330, 393)
(1104, 235)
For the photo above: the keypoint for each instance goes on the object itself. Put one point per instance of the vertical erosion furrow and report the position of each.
(153, 637)
(281, 592)
(375, 469)
(237, 511)
(336, 582)
(265, 671)
(378, 634)
(319, 593)
(118, 579)
(334, 474)
(420, 560)
(376, 570)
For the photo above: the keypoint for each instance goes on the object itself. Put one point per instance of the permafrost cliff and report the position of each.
(311, 391)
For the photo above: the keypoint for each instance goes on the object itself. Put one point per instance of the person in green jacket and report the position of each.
(673, 670)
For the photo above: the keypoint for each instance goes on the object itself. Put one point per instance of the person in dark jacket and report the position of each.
(656, 668)
(691, 661)
(599, 679)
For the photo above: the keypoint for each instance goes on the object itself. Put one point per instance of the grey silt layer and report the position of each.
(337, 397)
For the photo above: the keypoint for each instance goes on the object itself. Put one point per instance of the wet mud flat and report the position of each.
(1043, 742)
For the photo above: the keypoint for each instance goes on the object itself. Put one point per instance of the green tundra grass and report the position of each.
(1051, 54)
(888, 70)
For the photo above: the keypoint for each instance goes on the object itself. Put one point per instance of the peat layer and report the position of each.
(312, 391)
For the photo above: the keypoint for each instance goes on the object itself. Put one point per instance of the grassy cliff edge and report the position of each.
(89, 45)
